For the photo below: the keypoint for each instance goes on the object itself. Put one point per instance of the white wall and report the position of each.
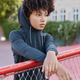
(68, 5)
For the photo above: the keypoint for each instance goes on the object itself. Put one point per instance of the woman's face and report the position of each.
(38, 19)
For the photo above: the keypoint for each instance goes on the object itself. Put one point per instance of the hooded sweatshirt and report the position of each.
(29, 43)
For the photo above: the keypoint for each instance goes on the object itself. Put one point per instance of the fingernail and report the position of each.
(46, 77)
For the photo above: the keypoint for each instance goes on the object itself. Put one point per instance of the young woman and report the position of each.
(30, 43)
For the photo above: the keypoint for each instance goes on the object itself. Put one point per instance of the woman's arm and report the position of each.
(51, 64)
(49, 44)
(24, 49)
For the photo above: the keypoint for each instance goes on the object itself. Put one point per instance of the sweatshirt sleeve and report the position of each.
(49, 44)
(24, 49)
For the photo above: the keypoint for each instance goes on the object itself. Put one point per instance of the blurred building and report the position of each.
(66, 10)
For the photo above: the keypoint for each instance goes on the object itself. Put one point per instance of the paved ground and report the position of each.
(6, 55)
(65, 48)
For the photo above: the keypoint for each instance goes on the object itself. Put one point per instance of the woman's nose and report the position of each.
(43, 18)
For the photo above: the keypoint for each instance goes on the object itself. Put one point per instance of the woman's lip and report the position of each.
(42, 25)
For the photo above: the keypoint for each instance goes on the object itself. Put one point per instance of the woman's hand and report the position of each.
(63, 73)
(50, 64)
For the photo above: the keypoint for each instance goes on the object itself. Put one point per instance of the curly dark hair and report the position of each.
(30, 5)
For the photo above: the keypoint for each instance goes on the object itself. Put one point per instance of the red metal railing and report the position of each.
(31, 64)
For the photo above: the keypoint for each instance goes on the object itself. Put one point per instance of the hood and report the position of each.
(23, 20)
(24, 24)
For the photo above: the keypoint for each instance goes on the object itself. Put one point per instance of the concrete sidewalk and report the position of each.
(6, 55)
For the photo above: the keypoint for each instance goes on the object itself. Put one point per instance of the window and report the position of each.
(75, 14)
(62, 15)
(55, 16)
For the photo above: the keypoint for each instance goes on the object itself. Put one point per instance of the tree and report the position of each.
(9, 8)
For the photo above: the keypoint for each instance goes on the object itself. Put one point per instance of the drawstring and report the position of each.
(41, 38)
(30, 36)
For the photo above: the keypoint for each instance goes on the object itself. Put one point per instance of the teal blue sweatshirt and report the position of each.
(29, 44)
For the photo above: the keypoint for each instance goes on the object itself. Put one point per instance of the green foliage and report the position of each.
(9, 8)
(64, 32)
(8, 26)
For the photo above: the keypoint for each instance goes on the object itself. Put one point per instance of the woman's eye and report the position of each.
(38, 14)
(46, 15)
